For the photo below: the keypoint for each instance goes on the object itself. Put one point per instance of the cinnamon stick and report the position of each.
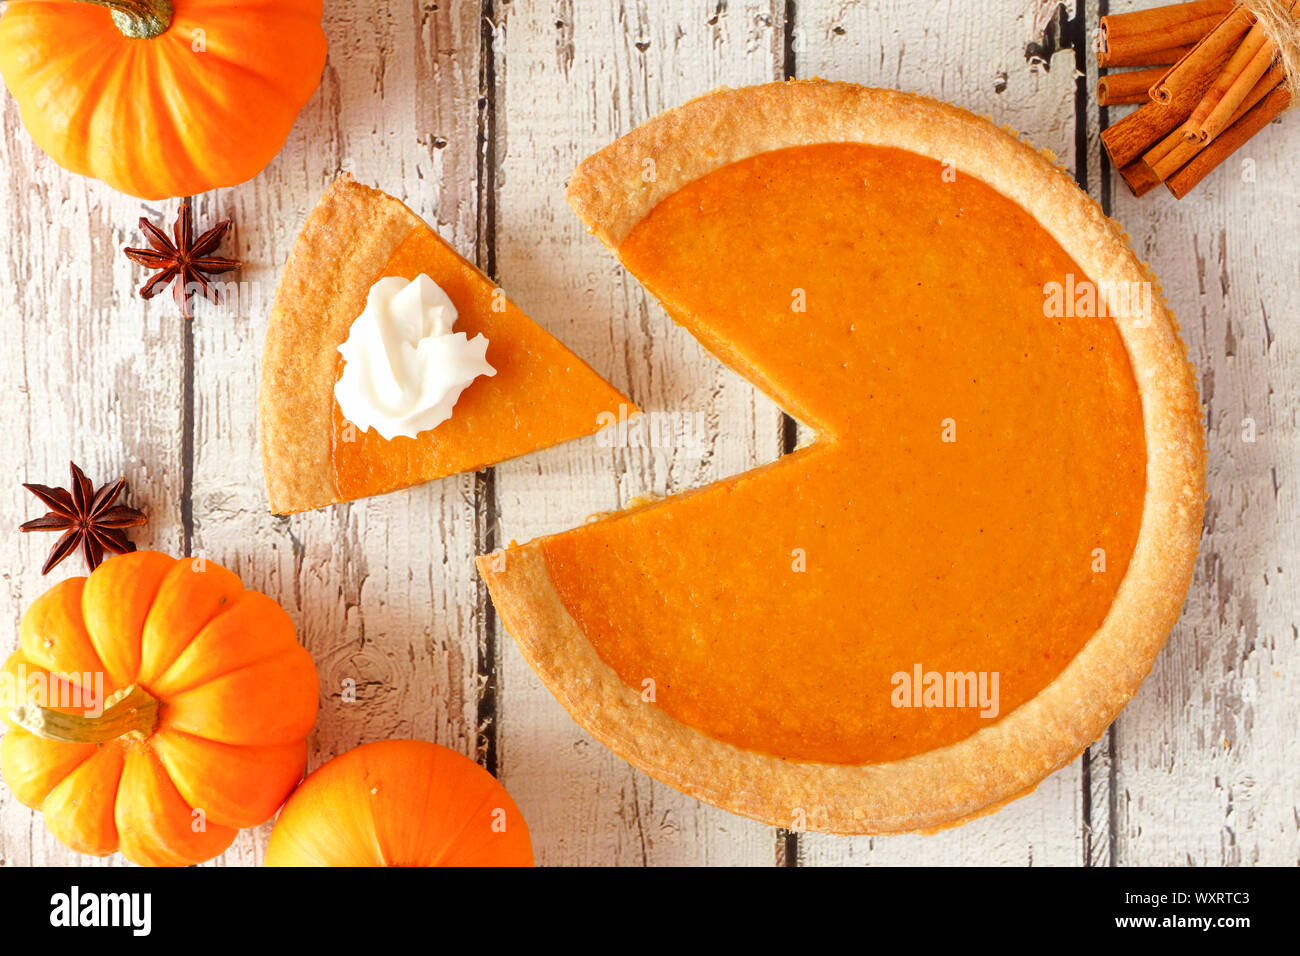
(1176, 95)
(1199, 111)
(1166, 57)
(1222, 115)
(1139, 178)
(1229, 141)
(1174, 151)
(1169, 155)
(1130, 39)
(1134, 86)
(1127, 140)
(1247, 64)
(1210, 52)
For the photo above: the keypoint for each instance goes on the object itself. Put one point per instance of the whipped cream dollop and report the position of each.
(404, 367)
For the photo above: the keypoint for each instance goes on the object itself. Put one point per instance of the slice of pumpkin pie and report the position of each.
(390, 360)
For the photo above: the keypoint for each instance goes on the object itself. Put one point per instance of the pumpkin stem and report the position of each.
(131, 712)
(139, 19)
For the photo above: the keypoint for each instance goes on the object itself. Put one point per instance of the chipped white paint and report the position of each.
(383, 591)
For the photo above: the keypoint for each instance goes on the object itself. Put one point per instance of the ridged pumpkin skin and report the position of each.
(207, 103)
(400, 803)
(236, 698)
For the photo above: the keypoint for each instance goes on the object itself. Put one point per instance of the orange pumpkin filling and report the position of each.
(971, 502)
(528, 404)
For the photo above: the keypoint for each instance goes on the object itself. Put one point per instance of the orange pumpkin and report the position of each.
(155, 707)
(162, 98)
(400, 803)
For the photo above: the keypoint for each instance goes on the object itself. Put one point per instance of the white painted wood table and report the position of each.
(475, 113)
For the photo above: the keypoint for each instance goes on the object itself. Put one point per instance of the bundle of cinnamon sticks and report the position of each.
(1208, 78)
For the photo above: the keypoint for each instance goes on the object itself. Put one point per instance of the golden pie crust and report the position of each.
(1003, 760)
(313, 310)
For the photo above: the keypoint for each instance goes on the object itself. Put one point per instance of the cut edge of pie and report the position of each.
(1004, 760)
(350, 240)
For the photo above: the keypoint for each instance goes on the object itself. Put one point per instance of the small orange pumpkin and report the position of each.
(400, 803)
(162, 98)
(155, 707)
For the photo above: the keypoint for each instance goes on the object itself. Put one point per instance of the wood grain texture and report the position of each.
(1203, 766)
(475, 114)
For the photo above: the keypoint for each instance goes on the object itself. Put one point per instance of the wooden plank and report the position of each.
(90, 373)
(1202, 772)
(572, 77)
(1097, 763)
(1042, 829)
(977, 60)
(382, 590)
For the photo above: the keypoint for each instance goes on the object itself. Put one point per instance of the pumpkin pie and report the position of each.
(956, 586)
(537, 393)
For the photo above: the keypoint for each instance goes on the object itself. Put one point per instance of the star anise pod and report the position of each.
(87, 517)
(183, 261)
